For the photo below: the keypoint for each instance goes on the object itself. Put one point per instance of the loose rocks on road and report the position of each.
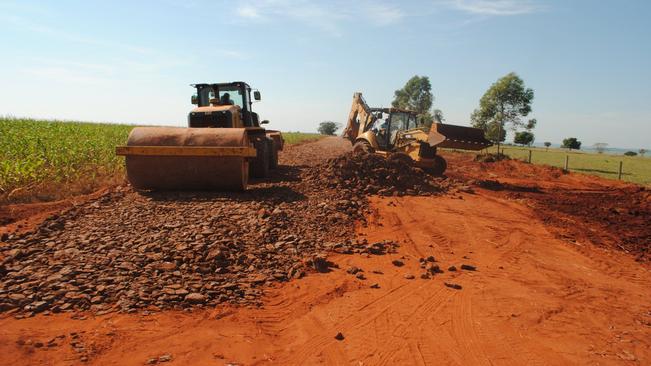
(131, 250)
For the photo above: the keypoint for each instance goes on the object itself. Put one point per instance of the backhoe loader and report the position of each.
(223, 144)
(397, 134)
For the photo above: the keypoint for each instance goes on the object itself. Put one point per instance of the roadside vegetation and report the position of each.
(300, 137)
(48, 160)
(328, 128)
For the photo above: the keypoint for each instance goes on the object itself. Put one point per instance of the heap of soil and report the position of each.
(491, 158)
(369, 174)
(619, 218)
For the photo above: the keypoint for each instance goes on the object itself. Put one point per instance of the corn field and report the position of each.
(38, 154)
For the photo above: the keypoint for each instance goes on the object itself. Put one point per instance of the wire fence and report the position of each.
(635, 169)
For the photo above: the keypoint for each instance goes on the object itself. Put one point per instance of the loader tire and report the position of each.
(260, 165)
(273, 161)
(362, 147)
(401, 158)
(439, 166)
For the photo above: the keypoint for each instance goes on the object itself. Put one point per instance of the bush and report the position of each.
(571, 143)
(630, 153)
(328, 128)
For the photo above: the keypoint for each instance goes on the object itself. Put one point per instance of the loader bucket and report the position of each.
(174, 158)
(457, 137)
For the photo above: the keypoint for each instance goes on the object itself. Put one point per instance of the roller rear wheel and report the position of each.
(260, 165)
(273, 162)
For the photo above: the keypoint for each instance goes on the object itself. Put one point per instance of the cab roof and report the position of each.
(232, 83)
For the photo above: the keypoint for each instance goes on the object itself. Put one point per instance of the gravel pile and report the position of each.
(130, 251)
(373, 174)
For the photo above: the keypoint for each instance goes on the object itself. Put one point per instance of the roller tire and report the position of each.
(260, 165)
(273, 161)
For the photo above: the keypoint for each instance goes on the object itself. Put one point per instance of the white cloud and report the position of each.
(248, 11)
(383, 14)
(329, 17)
(302, 11)
(496, 7)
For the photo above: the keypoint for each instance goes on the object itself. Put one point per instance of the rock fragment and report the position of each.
(397, 263)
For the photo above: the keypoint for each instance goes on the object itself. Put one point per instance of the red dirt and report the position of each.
(542, 292)
(579, 208)
(26, 216)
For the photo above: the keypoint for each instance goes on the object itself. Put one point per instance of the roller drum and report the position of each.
(187, 172)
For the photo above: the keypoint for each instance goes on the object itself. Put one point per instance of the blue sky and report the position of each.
(589, 62)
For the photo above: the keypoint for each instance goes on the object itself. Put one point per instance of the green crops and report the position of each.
(34, 152)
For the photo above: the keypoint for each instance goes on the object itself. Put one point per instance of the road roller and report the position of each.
(223, 145)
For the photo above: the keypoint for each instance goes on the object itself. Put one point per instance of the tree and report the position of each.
(417, 96)
(506, 102)
(524, 138)
(328, 127)
(600, 147)
(571, 143)
(642, 152)
(437, 115)
(547, 144)
(630, 153)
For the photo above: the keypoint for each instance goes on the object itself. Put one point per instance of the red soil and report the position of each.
(551, 287)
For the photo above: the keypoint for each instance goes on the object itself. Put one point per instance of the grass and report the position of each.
(300, 137)
(636, 169)
(46, 160)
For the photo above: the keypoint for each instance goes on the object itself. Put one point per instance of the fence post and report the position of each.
(619, 174)
(567, 162)
(529, 156)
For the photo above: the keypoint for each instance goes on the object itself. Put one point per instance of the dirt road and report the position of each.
(539, 294)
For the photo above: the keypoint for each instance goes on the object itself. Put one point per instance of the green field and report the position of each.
(46, 160)
(636, 169)
(297, 137)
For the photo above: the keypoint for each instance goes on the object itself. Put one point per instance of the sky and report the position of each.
(589, 62)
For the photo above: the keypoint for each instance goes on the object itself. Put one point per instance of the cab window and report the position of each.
(399, 122)
(231, 96)
(412, 122)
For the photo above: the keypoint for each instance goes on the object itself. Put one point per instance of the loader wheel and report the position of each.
(401, 158)
(362, 147)
(439, 166)
(260, 165)
(273, 161)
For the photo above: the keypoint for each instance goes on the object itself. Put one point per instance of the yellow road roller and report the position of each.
(223, 145)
